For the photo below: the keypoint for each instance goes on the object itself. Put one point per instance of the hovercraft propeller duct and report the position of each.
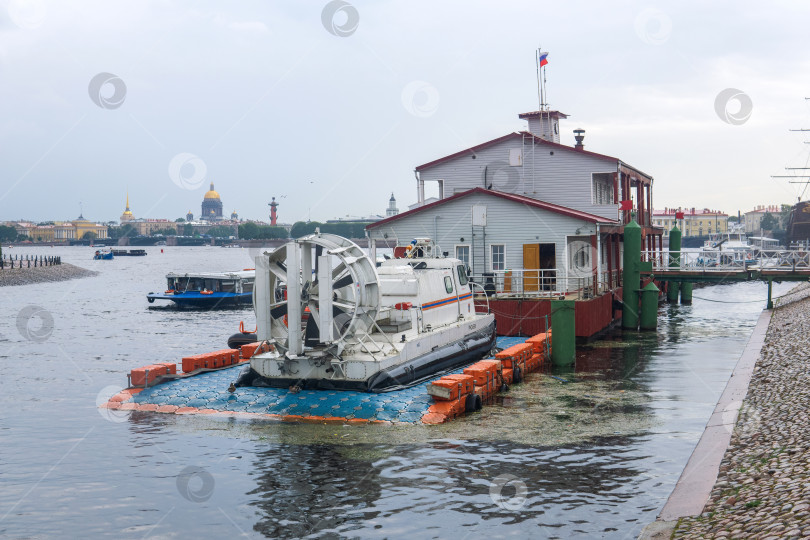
(330, 276)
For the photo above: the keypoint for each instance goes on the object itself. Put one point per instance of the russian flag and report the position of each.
(542, 58)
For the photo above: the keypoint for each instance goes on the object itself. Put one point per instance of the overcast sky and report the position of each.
(331, 114)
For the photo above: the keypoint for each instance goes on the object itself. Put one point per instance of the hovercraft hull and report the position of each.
(471, 348)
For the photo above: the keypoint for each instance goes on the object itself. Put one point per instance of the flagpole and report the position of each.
(539, 88)
(545, 89)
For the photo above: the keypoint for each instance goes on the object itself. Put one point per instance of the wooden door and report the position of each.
(531, 263)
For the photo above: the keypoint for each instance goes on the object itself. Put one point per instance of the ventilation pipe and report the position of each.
(579, 135)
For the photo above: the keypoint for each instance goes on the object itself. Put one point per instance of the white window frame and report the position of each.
(469, 253)
(492, 257)
(601, 191)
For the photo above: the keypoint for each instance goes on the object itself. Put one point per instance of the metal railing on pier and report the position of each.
(728, 261)
(28, 261)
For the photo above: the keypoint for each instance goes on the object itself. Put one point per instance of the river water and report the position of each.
(592, 452)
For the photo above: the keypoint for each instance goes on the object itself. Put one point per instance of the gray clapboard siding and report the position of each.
(509, 223)
(548, 173)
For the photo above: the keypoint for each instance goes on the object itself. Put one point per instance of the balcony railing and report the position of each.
(544, 283)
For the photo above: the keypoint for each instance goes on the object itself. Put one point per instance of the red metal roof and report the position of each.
(528, 201)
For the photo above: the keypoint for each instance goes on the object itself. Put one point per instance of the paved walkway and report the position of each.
(763, 487)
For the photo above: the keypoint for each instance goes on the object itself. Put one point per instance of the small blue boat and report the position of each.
(208, 290)
(103, 255)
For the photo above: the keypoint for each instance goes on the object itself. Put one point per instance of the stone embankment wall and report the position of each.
(763, 488)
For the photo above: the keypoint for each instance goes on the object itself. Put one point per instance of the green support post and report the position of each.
(686, 293)
(563, 350)
(649, 307)
(674, 262)
(631, 277)
(770, 290)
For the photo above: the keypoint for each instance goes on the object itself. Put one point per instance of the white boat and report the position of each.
(730, 248)
(763, 243)
(362, 326)
(728, 241)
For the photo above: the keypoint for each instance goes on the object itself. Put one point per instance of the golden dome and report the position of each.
(211, 194)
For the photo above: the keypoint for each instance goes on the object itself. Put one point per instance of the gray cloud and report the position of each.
(271, 101)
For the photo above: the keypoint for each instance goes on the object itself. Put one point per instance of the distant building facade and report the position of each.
(753, 218)
(146, 227)
(60, 230)
(695, 222)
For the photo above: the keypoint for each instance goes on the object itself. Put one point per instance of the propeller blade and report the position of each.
(311, 333)
(343, 305)
(279, 311)
(343, 282)
(279, 270)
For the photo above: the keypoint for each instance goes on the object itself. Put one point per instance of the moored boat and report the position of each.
(369, 328)
(103, 255)
(129, 253)
(208, 290)
(730, 248)
(798, 227)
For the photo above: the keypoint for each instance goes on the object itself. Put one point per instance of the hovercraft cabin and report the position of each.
(534, 220)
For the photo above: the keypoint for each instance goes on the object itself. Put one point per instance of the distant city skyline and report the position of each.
(268, 100)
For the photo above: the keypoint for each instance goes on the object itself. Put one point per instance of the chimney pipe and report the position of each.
(579, 135)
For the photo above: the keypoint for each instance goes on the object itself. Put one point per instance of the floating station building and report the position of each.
(535, 220)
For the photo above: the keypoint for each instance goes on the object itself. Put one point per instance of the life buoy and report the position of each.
(748, 256)
(170, 291)
(150, 299)
(285, 321)
(206, 292)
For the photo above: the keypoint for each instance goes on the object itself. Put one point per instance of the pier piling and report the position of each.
(631, 275)
(649, 307)
(686, 292)
(563, 322)
(674, 262)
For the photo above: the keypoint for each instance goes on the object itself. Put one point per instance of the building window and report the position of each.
(602, 190)
(498, 256)
(463, 254)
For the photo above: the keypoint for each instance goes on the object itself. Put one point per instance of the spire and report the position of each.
(127, 201)
(212, 186)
